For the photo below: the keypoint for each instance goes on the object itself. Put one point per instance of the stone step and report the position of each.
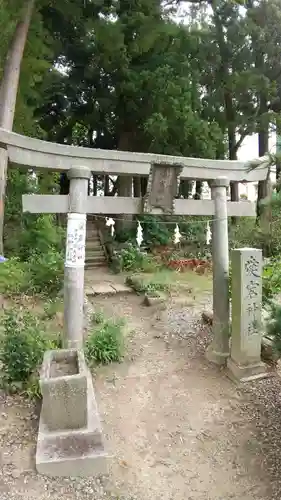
(94, 249)
(96, 261)
(95, 256)
(93, 244)
(92, 237)
(95, 265)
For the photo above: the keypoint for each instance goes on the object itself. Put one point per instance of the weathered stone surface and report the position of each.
(63, 383)
(69, 451)
(119, 288)
(245, 361)
(149, 300)
(162, 188)
(100, 289)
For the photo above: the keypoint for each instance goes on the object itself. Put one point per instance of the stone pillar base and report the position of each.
(216, 357)
(74, 447)
(239, 373)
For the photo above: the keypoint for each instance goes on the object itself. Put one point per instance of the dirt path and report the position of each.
(176, 427)
(174, 423)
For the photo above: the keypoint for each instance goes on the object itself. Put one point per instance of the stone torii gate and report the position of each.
(165, 173)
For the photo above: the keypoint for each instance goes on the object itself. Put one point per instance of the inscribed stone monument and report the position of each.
(245, 360)
(162, 188)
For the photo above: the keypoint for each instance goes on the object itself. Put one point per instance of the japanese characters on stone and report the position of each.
(253, 295)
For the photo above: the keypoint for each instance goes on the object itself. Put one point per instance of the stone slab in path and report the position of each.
(102, 282)
(107, 289)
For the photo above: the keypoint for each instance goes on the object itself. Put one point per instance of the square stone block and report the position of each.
(63, 383)
(246, 373)
(63, 450)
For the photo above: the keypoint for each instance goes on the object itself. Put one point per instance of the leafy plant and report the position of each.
(14, 277)
(51, 308)
(271, 280)
(41, 236)
(274, 327)
(106, 343)
(22, 347)
(97, 318)
(150, 287)
(131, 258)
(46, 273)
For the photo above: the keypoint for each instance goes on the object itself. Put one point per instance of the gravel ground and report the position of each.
(175, 426)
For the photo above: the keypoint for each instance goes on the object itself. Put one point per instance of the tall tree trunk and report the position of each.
(229, 110)
(198, 190)
(263, 186)
(95, 185)
(144, 181)
(186, 188)
(106, 185)
(124, 182)
(137, 187)
(8, 95)
(278, 161)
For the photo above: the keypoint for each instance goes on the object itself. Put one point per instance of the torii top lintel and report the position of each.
(34, 153)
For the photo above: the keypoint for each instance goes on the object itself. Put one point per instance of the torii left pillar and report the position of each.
(75, 257)
(218, 350)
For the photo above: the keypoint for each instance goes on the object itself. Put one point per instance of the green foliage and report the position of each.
(271, 280)
(46, 273)
(14, 278)
(41, 274)
(51, 308)
(41, 235)
(274, 327)
(21, 351)
(106, 343)
(131, 258)
(97, 318)
(151, 286)
(248, 233)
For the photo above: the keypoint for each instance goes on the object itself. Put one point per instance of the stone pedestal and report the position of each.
(218, 351)
(70, 441)
(245, 363)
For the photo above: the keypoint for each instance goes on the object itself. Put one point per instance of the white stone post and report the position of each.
(245, 361)
(75, 257)
(218, 351)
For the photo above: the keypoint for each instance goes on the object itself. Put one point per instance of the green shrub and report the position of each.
(246, 233)
(41, 274)
(274, 327)
(106, 343)
(41, 234)
(22, 347)
(97, 318)
(149, 287)
(131, 258)
(14, 277)
(46, 273)
(271, 280)
(51, 308)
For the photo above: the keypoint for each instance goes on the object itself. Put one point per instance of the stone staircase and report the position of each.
(95, 253)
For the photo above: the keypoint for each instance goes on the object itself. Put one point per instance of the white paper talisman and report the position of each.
(75, 240)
